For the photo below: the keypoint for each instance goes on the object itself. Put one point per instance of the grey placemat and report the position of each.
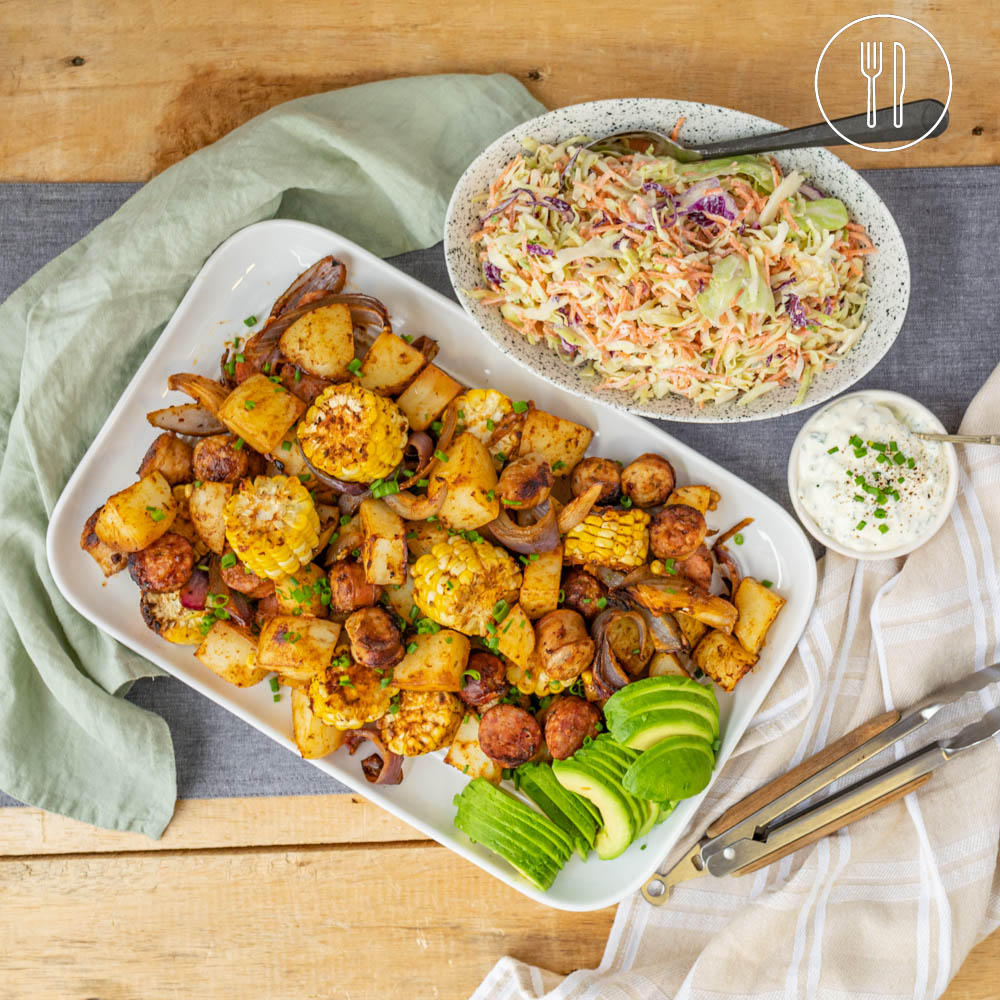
(949, 218)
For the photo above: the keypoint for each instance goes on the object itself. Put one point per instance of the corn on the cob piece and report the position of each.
(426, 721)
(481, 411)
(459, 583)
(618, 539)
(353, 434)
(272, 525)
(534, 679)
(350, 694)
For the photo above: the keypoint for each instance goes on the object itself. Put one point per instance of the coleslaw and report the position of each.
(714, 280)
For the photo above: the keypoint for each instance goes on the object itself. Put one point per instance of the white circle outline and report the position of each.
(861, 145)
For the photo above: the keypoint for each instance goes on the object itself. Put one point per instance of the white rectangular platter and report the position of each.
(243, 278)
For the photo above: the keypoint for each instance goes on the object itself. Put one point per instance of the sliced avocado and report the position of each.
(666, 808)
(640, 732)
(639, 695)
(618, 829)
(652, 812)
(612, 772)
(566, 810)
(655, 701)
(535, 867)
(509, 813)
(529, 841)
(676, 768)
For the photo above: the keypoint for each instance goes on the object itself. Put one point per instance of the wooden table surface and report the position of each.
(301, 897)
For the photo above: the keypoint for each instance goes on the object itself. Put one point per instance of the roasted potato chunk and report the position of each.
(471, 480)
(304, 592)
(297, 647)
(433, 662)
(313, 737)
(757, 607)
(390, 365)
(260, 412)
(110, 560)
(137, 515)
(561, 442)
(722, 658)
(231, 652)
(207, 508)
(691, 628)
(540, 583)
(422, 536)
(171, 456)
(516, 637)
(467, 755)
(383, 549)
(322, 341)
(702, 498)
(426, 397)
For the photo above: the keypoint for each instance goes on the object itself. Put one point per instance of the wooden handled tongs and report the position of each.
(765, 826)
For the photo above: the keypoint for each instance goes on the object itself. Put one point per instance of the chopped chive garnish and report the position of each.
(249, 404)
(833, 450)
(436, 427)
(474, 674)
(238, 444)
(626, 501)
(355, 366)
(230, 367)
(501, 456)
(440, 455)
(407, 338)
(556, 466)
(859, 498)
(267, 369)
(490, 494)
(249, 321)
(276, 697)
(412, 648)
(876, 445)
(879, 513)
(883, 528)
(900, 459)
(240, 358)
(423, 482)
(490, 425)
(562, 596)
(893, 446)
(298, 374)
(767, 583)
(602, 602)
(520, 406)
(228, 560)
(738, 539)
(155, 514)
(860, 452)
(860, 525)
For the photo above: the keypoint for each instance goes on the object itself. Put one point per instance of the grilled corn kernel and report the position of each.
(534, 680)
(272, 525)
(426, 721)
(481, 411)
(618, 539)
(350, 696)
(458, 583)
(353, 434)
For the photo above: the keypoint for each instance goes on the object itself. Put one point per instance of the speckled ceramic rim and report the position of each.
(888, 271)
(901, 402)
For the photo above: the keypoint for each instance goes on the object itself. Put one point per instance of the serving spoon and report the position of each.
(918, 117)
(959, 438)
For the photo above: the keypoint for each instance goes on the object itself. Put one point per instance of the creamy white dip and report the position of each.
(866, 480)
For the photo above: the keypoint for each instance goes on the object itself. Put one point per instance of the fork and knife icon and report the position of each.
(871, 70)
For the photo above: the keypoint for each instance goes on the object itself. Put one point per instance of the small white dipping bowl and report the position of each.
(903, 405)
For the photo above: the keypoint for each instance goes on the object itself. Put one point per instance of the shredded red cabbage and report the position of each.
(492, 273)
(697, 203)
(795, 310)
(539, 250)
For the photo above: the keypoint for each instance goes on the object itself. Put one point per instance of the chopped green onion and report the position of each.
(474, 674)
(556, 466)
(230, 367)
(893, 446)
(562, 596)
(238, 444)
(668, 565)
(860, 525)
(440, 455)
(228, 560)
(155, 514)
(877, 446)
(249, 321)
(355, 366)
(767, 583)
(490, 425)
(738, 539)
(298, 374)
(423, 482)
(274, 683)
(490, 495)
(249, 404)
(286, 445)
(406, 337)
(833, 450)
(883, 528)
(856, 441)
(626, 501)
(240, 358)
(520, 406)
(412, 648)
(879, 513)
(276, 697)
(602, 602)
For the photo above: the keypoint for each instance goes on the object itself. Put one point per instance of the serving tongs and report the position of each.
(765, 826)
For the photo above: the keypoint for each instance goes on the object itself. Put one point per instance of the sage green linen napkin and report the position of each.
(376, 163)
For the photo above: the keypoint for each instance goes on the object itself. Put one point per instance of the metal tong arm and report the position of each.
(754, 814)
(830, 814)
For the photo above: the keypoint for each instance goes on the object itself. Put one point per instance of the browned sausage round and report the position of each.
(583, 591)
(649, 480)
(165, 565)
(349, 590)
(238, 577)
(267, 608)
(484, 680)
(375, 640)
(218, 460)
(596, 470)
(509, 735)
(676, 532)
(570, 720)
(171, 456)
(563, 647)
(698, 568)
(526, 482)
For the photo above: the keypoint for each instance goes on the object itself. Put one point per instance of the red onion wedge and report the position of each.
(542, 536)
(191, 419)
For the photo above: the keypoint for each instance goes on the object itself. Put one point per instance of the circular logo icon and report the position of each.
(873, 60)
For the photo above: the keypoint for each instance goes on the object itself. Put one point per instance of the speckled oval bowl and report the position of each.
(887, 271)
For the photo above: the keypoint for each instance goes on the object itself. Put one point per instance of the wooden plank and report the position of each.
(120, 90)
(342, 922)
(212, 823)
(979, 976)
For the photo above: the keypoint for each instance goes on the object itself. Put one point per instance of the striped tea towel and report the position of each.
(890, 906)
